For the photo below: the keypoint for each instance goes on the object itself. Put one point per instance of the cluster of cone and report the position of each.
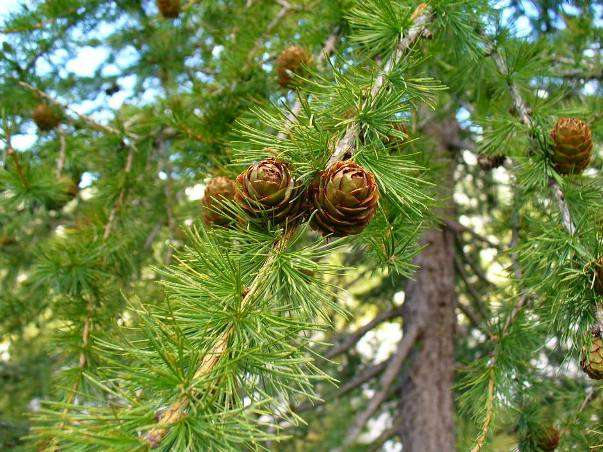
(341, 201)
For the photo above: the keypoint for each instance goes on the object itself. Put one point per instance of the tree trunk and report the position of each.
(426, 405)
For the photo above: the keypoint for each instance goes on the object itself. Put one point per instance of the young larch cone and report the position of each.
(572, 145)
(549, 440)
(267, 190)
(489, 162)
(345, 199)
(46, 117)
(592, 359)
(291, 61)
(170, 9)
(218, 190)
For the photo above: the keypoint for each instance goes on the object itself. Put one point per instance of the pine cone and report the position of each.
(488, 163)
(572, 146)
(345, 199)
(218, 190)
(291, 60)
(599, 276)
(549, 440)
(267, 190)
(46, 117)
(592, 361)
(170, 9)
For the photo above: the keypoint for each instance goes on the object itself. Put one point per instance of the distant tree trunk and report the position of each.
(426, 405)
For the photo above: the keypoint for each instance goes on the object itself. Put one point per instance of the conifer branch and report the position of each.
(327, 50)
(481, 439)
(121, 197)
(523, 112)
(177, 410)
(517, 308)
(87, 327)
(87, 119)
(421, 17)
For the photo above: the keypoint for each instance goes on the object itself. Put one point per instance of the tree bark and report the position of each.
(426, 405)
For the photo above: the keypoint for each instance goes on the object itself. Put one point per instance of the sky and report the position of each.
(89, 58)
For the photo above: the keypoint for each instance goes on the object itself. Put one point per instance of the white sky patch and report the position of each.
(23, 142)
(216, 51)
(195, 192)
(542, 93)
(469, 157)
(378, 344)
(4, 353)
(590, 88)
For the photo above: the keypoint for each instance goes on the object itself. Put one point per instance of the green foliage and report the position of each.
(140, 327)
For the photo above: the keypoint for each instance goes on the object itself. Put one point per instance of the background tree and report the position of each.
(316, 224)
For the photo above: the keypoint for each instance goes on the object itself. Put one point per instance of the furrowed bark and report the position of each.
(426, 405)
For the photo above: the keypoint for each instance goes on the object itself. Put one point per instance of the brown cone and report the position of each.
(345, 199)
(488, 163)
(549, 440)
(46, 117)
(572, 146)
(267, 190)
(592, 360)
(291, 60)
(170, 9)
(218, 190)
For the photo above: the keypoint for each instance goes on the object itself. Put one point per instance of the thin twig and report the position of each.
(523, 112)
(62, 152)
(326, 52)
(86, 119)
(457, 227)
(353, 338)
(120, 199)
(481, 439)
(465, 278)
(391, 372)
(169, 201)
(360, 378)
(177, 410)
(421, 17)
